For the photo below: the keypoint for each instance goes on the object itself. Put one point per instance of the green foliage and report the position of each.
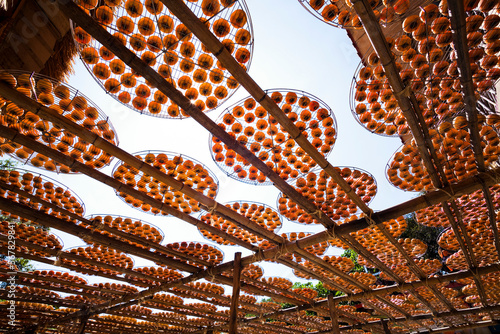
(319, 288)
(22, 264)
(351, 254)
(8, 164)
(428, 235)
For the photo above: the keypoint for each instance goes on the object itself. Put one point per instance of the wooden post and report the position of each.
(386, 327)
(233, 315)
(334, 314)
(83, 323)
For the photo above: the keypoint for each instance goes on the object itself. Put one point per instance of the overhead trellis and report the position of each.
(411, 292)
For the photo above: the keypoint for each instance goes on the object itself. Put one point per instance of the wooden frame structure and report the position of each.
(441, 310)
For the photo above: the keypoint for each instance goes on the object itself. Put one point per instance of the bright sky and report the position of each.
(292, 50)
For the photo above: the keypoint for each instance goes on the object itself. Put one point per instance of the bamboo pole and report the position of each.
(233, 315)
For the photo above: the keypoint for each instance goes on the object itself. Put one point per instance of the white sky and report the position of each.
(292, 49)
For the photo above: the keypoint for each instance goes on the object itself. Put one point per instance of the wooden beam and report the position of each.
(334, 315)
(233, 315)
(459, 33)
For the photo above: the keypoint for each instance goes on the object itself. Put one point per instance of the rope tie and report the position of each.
(318, 213)
(211, 212)
(84, 236)
(451, 195)
(476, 275)
(210, 272)
(258, 256)
(96, 226)
(405, 92)
(371, 223)
(282, 250)
(331, 232)
(57, 261)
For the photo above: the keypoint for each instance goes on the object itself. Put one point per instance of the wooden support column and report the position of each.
(83, 323)
(386, 326)
(334, 314)
(233, 315)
